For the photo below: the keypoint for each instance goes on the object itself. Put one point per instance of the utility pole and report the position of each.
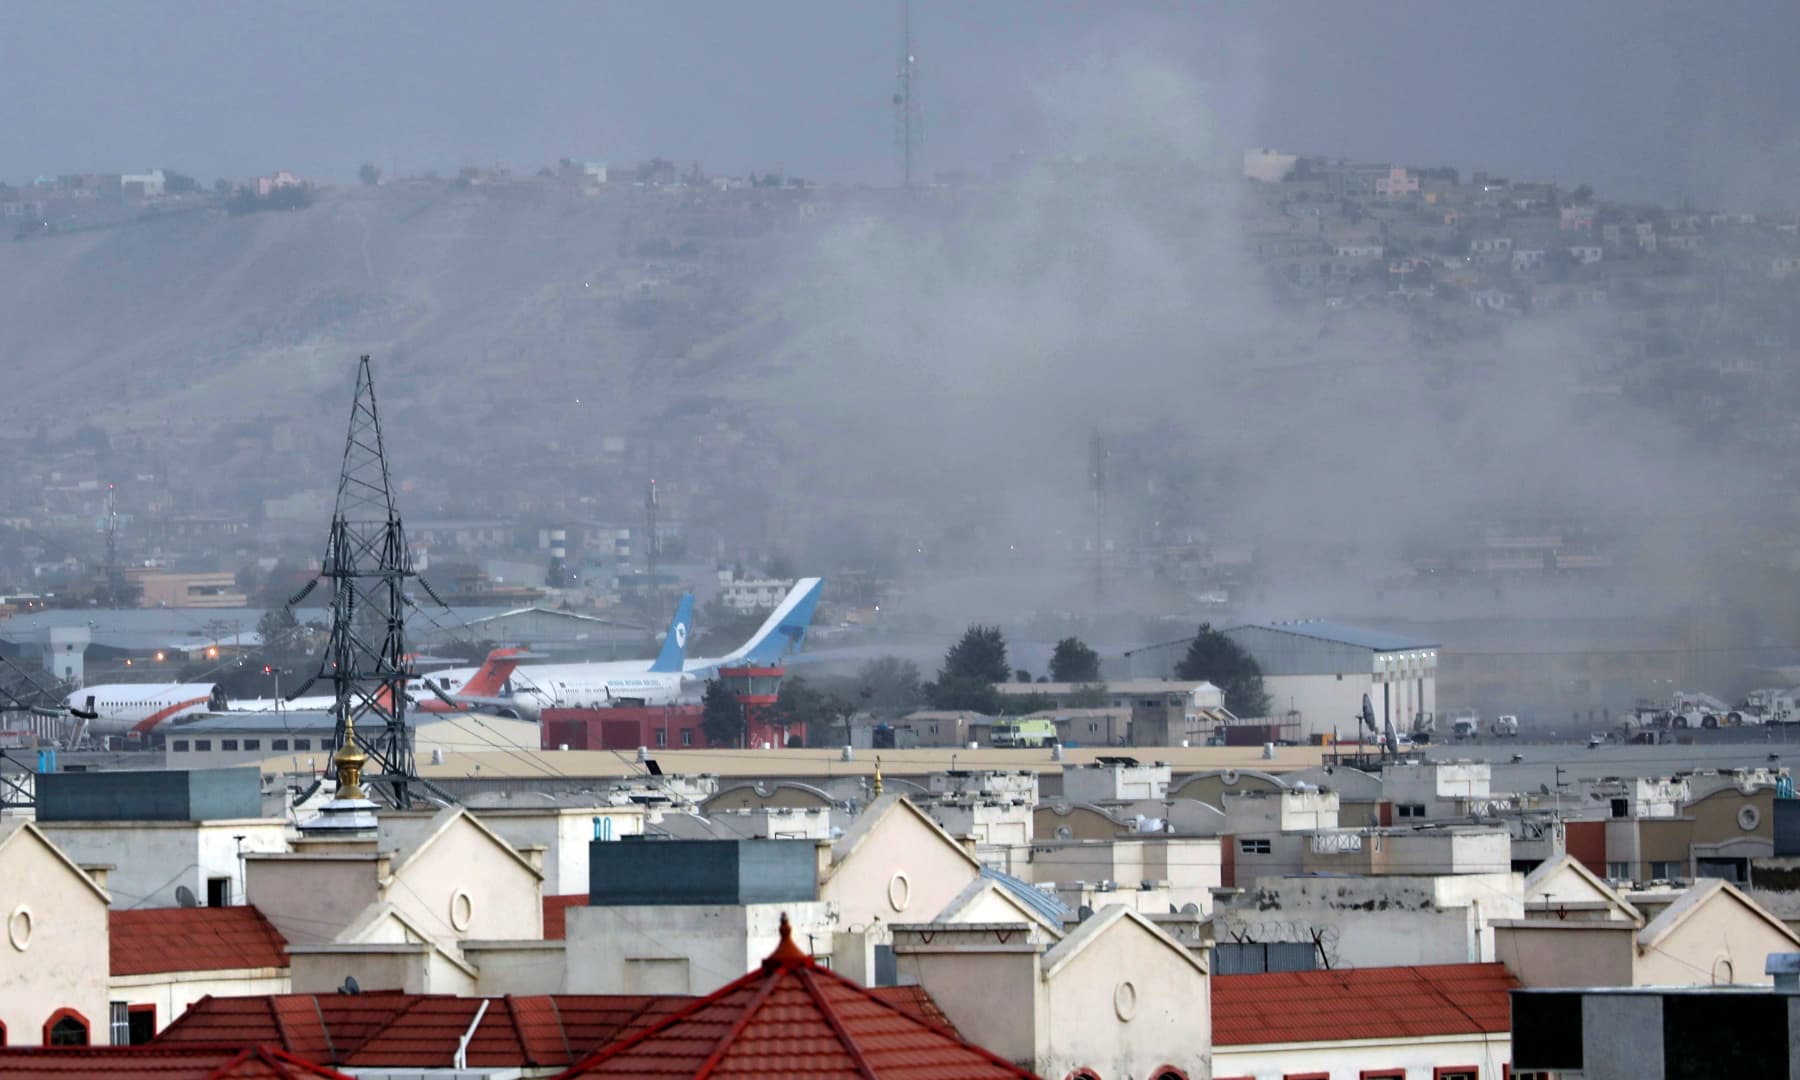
(905, 107)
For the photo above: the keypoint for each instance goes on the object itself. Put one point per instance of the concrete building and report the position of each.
(1321, 670)
(53, 963)
(1656, 1033)
(176, 589)
(1116, 997)
(1111, 780)
(1711, 934)
(164, 838)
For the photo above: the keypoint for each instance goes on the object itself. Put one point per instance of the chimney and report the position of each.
(1786, 969)
(97, 872)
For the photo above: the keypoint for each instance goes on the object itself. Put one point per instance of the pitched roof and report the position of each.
(791, 1018)
(1361, 1003)
(1095, 926)
(1697, 896)
(152, 941)
(10, 831)
(1362, 637)
(157, 1063)
(556, 914)
(870, 820)
(1566, 863)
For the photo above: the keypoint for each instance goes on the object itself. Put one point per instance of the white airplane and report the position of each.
(485, 681)
(135, 709)
(667, 679)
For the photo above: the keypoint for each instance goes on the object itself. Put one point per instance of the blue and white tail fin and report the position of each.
(781, 635)
(674, 646)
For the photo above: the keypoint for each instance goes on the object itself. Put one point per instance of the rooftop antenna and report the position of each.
(367, 565)
(906, 112)
(115, 575)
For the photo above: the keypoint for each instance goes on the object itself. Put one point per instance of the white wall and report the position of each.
(151, 859)
(682, 948)
(53, 943)
(1348, 1060)
(173, 993)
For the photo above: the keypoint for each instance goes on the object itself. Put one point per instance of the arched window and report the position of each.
(2, 1034)
(66, 1027)
(1083, 1073)
(1168, 1072)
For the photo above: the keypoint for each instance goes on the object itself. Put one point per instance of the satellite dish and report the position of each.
(351, 986)
(1084, 912)
(1063, 832)
(1543, 789)
(1368, 715)
(1190, 908)
(184, 896)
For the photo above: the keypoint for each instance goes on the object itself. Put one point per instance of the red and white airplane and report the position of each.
(137, 709)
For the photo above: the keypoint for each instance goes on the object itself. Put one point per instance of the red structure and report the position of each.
(756, 689)
(658, 727)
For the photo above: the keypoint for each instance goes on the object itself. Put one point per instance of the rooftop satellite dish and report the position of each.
(1368, 715)
(184, 896)
(1190, 908)
(1063, 832)
(1543, 789)
(351, 986)
(1085, 912)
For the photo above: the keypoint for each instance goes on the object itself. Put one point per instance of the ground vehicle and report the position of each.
(1465, 723)
(1505, 726)
(1008, 732)
(1765, 707)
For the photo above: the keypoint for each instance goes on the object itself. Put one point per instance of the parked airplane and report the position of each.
(137, 708)
(484, 681)
(670, 677)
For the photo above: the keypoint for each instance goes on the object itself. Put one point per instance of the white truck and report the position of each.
(1465, 723)
(1765, 707)
(1505, 726)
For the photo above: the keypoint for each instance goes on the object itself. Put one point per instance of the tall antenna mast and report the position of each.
(115, 575)
(905, 106)
(367, 564)
(1097, 484)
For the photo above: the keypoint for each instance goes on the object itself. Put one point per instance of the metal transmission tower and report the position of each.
(906, 113)
(367, 564)
(115, 574)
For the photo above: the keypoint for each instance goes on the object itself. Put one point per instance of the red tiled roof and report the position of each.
(158, 1063)
(153, 941)
(556, 914)
(399, 1030)
(793, 1018)
(1361, 1003)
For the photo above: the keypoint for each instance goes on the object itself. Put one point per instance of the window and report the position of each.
(1093, 726)
(1254, 847)
(1306, 1076)
(1456, 1072)
(66, 1027)
(1168, 1072)
(253, 744)
(202, 745)
(303, 744)
(218, 892)
(1621, 808)
(181, 746)
(1618, 871)
(1382, 1074)
(1409, 810)
(1667, 871)
(687, 736)
(278, 744)
(141, 1024)
(662, 738)
(120, 1015)
(228, 744)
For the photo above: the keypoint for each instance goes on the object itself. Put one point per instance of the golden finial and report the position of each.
(349, 761)
(878, 776)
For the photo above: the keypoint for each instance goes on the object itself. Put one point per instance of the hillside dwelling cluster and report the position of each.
(1102, 919)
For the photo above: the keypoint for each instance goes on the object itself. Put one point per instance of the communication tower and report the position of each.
(906, 112)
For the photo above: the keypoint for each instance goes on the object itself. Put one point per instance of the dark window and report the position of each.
(142, 1024)
(66, 1027)
(228, 744)
(202, 744)
(253, 744)
(1253, 847)
(1621, 808)
(218, 892)
(303, 744)
(120, 1016)
(1456, 1072)
(181, 746)
(662, 737)
(1382, 1074)
(1409, 810)
(278, 744)
(1727, 1036)
(687, 736)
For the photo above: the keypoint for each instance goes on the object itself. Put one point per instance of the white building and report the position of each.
(1322, 670)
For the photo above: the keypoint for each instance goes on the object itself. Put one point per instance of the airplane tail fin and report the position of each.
(674, 646)
(493, 673)
(784, 632)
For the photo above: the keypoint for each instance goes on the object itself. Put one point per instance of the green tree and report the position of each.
(278, 628)
(721, 716)
(1217, 659)
(1074, 662)
(970, 692)
(1021, 676)
(1090, 695)
(981, 654)
(802, 702)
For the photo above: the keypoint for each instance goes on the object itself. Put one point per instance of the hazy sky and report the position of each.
(1639, 97)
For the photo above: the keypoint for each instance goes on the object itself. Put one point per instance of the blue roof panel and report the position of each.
(1044, 903)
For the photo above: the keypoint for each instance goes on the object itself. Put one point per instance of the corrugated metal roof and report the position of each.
(302, 721)
(1361, 637)
(1044, 903)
